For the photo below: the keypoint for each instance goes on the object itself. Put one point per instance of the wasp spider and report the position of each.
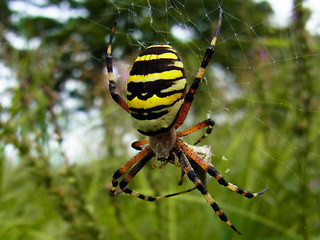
(159, 102)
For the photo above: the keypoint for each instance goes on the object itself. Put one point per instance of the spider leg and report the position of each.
(137, 144)
(196, 82)
(205, 153)
(112, 86)
(186, 166)
(214, 173)
(182, 177)
(125, 167)
(130, 175)
(209, 123)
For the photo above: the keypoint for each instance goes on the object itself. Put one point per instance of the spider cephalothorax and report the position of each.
(158, 101)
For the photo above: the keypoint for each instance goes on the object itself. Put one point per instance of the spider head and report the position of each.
(163, 144)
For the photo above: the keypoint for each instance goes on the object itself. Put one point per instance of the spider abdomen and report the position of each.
(156, 89)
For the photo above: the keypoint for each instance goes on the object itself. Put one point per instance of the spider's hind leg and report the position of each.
(196, 82)
(112, 86)
(209, 123)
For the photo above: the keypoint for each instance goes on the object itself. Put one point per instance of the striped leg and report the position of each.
(112, 86)
(130, 175)
(214, 173)
(206, 123)
(196, 82)
(186, 166)
(125, 167)
(137, 144)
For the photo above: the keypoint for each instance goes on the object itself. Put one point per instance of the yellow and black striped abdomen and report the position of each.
(156, 89)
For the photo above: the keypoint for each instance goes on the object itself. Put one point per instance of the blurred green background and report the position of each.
(62, 136)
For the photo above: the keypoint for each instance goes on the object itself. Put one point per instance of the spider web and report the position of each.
(253, 93)
(264, 103)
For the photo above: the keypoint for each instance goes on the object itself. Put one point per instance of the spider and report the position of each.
(159, 102)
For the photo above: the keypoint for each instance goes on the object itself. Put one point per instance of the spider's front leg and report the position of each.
(136, 164)
(144, 154)
(214, 173)
(187, 168)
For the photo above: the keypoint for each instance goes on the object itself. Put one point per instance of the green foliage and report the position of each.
(268, 134)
